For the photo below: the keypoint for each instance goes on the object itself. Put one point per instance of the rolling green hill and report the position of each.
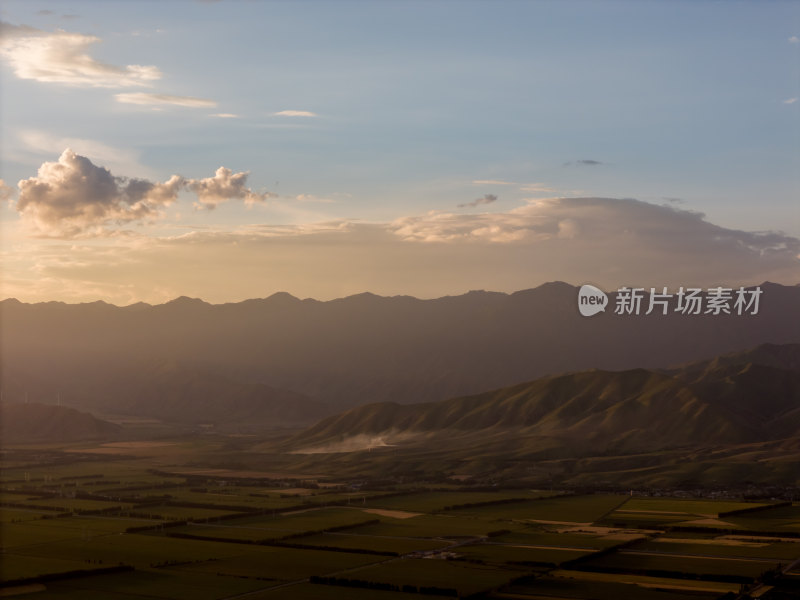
(733, 406)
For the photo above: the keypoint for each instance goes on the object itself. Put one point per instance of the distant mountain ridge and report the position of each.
(727, 420)
(740, 401)
(33, 422)
(350, 351)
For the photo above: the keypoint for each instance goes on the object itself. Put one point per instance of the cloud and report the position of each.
(6, 191)
(794, 40)
(223, 186)
(295, 113)
(601, 221)
(313, 198)
(537, 188)
(73, 197)
(790, 100)
(164, 99)
(611, 242)
(62, 57)
(224, 116)
(492, 182)
(487, 199)
(586, 162)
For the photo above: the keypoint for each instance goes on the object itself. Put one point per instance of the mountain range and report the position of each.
(33, 422)
(282, 361)
(730, 419)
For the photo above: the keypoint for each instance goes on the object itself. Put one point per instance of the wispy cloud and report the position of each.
(6, 191)
(537, 187)
(492, 182)
(295, 113)
(487, 199)
(612, 242)
(794, 40)
(224, 116)
(314, 199)
(586, 162)
(790, 100)
(164, 99)
(62, 57)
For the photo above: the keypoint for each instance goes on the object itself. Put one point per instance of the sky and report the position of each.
(233, 149)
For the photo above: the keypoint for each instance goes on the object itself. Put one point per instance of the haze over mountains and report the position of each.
(21, 422)
(730, 420)
(733, 399)
(283, 361)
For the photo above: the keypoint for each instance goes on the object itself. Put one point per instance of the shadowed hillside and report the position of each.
(731, 408)
(350, 351)
(41, 422)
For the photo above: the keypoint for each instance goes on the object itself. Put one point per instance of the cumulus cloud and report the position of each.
(223, 186)
(487, 199)
(73, 197)
(295, 113)
(164, 99)
(62, 57)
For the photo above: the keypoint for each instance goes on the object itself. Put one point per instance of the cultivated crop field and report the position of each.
(88, 526)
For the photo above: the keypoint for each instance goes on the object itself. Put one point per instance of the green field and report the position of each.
(698, 508)
(162, 583)
(574, 509)
(785, 552)
(281, 564)
(689, 564)
(414, 534)
(428, 502)
(253, 528)
(537, 537)
(307, 591)
(563, 587)
(177, 513)
(369, 542)
(510, 555)
(435, 526)
(465, 577)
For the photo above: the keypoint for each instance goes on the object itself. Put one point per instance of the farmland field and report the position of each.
(171, 536)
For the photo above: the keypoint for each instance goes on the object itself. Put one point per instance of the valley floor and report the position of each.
(162, 519)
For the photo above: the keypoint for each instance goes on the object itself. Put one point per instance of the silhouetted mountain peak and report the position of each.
(186, 301)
